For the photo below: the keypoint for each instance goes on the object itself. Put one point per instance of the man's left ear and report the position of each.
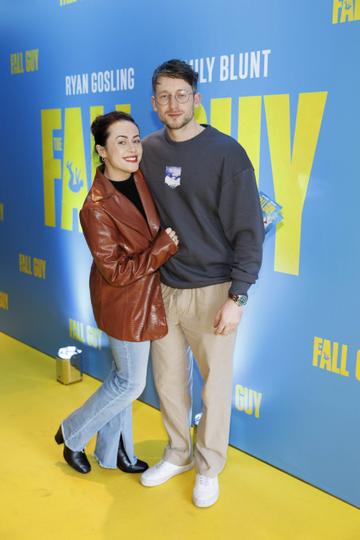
(197, 99)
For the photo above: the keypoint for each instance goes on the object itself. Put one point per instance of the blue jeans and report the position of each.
(108, 412)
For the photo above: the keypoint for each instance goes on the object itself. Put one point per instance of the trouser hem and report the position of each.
(103, 465)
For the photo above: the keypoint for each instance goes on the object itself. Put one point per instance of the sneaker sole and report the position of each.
(151, 483)
(206, 503)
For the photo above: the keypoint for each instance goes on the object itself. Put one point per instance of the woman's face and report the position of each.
(122, 151)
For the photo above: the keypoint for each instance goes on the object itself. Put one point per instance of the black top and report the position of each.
(128, 188)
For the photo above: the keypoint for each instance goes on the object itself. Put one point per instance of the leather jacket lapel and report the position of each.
(122, 209)
(148, 203)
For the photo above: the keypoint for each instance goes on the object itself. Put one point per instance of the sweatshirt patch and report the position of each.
(172, 176)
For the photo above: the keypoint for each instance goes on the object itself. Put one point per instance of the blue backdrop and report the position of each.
(282, 78)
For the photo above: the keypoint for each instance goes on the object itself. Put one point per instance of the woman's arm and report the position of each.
(116, 266)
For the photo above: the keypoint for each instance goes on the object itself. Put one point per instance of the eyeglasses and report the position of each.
(181, 96)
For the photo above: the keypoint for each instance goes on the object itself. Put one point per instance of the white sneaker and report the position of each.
(206, 491)
(162, 472)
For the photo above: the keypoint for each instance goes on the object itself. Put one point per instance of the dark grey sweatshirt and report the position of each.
(205, 189)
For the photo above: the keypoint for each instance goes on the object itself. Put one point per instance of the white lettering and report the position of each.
(224, 68)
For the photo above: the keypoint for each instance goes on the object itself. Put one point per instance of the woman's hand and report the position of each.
(172, 235)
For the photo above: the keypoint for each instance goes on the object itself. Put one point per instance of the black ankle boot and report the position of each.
(59, 436)
(76, 460)
(124, 463)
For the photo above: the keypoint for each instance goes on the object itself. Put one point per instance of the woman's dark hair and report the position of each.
(101, 124)
(176, 69)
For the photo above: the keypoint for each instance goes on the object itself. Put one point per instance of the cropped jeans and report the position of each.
(108, 412)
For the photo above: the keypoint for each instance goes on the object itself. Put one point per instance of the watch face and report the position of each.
(239, 299)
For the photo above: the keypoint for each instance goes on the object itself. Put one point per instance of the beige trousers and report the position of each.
(190, 315)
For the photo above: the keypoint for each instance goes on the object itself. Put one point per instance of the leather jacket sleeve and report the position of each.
(116, 266)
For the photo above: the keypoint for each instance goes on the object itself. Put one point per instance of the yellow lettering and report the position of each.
(71, 327)
(335, 354)
(50, 120)
(220, 116)
(249, 125)
(16, 63)
(357, 11)
(39, 268)
(247, 400)
(239, 401)
(347, 12)
(25, 264)
(357, 372)
(343, 371)
(257, 403)
(93, 336)
(32, 60)
(76, 329)
(12, 63)
(329, 356)
(291, 170)
(325, 360)
(248, 395)
(337, 4)
(318, 341)
(74, 184)
(200, 114)
(4, 300)
(1, 211)
(125, 107)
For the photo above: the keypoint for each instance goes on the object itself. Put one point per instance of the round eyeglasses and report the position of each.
(181, 96)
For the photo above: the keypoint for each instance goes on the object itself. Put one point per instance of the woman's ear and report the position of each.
(101, 150)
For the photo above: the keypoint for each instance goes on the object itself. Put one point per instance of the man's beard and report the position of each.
(178, 123)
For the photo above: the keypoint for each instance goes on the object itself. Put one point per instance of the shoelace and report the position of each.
(204, 480)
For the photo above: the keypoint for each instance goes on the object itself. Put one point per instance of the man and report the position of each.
(204, 187)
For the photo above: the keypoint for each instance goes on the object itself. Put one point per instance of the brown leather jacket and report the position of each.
(127, 251)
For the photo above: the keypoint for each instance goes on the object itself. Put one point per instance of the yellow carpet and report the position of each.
(43, 498)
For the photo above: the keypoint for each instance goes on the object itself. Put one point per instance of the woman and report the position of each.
(121, 227)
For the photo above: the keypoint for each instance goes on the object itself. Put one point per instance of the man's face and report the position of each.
(174, 115)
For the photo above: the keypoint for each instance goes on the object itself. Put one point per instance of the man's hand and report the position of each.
(227, 318)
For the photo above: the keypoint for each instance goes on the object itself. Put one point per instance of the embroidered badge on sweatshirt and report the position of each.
(172, 176)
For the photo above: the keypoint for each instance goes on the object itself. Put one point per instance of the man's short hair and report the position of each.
(176, 69)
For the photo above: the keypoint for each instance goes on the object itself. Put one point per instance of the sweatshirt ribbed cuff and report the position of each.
(239, 287)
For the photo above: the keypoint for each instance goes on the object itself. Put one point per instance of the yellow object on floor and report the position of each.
(43, 498)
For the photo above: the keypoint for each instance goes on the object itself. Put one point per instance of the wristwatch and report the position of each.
(239, 299)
